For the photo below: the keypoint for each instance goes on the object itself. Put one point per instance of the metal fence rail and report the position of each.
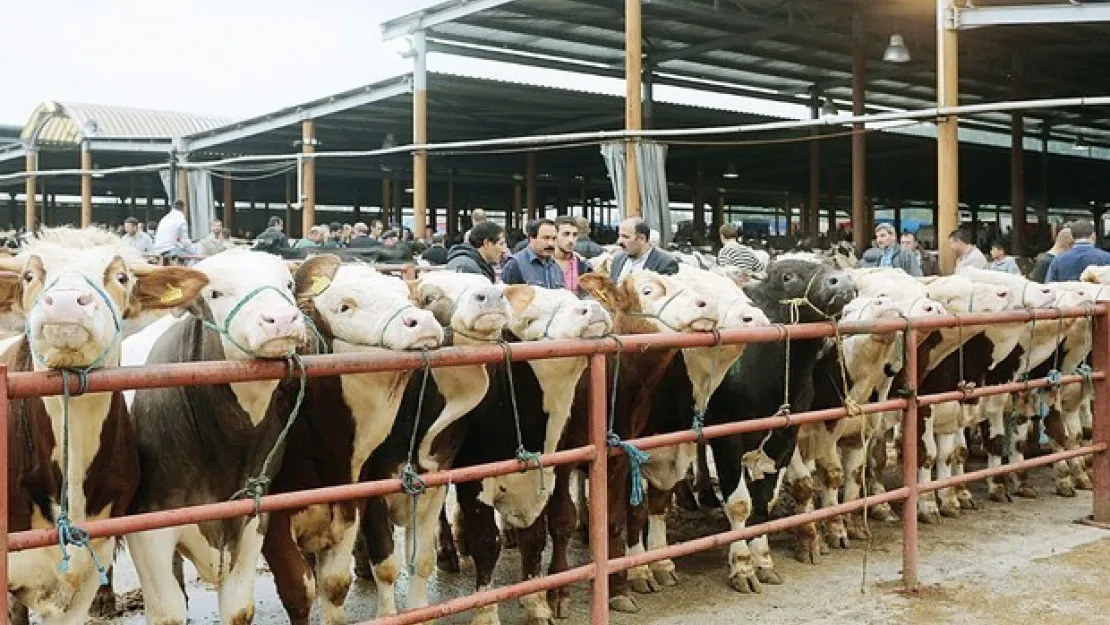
(23, 385)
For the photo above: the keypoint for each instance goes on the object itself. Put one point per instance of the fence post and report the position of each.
(4, 402)
(599, 488)
(909, 465)
(1100, 413)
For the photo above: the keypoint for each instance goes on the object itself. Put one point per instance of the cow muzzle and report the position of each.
(417, 329)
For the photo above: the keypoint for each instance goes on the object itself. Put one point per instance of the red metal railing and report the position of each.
(22, 385)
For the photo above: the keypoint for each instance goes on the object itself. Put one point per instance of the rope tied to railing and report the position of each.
(411, 483)
(524, 456)
(636, 457)
(699, 413)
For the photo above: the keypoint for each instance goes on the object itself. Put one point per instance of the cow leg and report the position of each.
(333, 571)
(994, 441)
(738, 508)
(877, 460)
(703, 481)
(153, 555)
(639, 577)
(964, 498)
(927, 511)
(810, 547)
(946, 457)
(104, 604)
(855, 458)
(531, 542)
(561, 516)
(479, 525)
(381, 557)
(1057, 439)
(830, 475)
(236, 593)
(1073, 427)
(619, 598)
(18, 614)
(1022, 431)
(658, 501)
(423, 543)
(684, 493)
(292, 576)
(765, 494)
(447, 558)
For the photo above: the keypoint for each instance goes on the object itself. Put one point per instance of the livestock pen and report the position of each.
(22, 385)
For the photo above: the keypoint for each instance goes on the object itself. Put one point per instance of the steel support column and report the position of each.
(308, 200)
(452, 211)
(86, 185)
(229, 205)
(633, 106)
(861, 217)
(1017, 164)
(813, 205)
(948, 146)
(419, 134)
(1100, 468)
(530, 180)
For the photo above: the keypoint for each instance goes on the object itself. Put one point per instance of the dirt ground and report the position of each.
(1002, 564)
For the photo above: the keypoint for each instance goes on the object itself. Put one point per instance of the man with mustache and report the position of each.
(536, 264)
(633, 236)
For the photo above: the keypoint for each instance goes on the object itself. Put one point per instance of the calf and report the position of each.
(204, 444)
(343, 421)
(75, 289)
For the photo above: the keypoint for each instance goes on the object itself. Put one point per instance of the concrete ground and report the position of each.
(1002, 564)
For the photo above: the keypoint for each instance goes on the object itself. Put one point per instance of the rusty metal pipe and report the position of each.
(4, 410)
(599, 493)
(118, 526)
(724, 538)
(486, 597)
(1100, 426)
(910, 439)
(1000, 389)
(982, 474)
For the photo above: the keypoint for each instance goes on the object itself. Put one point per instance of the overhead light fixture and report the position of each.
(1080, 143)
(829, 108)
(896, 51)
(403, 46)
(730, 172)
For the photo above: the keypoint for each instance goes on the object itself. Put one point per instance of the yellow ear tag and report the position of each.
(173, 294)
(319, 284)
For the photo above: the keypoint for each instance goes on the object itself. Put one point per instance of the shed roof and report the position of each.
(67, 124)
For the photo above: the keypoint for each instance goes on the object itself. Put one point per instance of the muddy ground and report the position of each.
(1002, 564)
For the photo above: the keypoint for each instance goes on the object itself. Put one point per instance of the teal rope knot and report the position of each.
(1053, 377)
(1088, 373)
(699, 423)
(71, 535)
(411, 482)
(522, 454)
(636, 458)
(531, 457)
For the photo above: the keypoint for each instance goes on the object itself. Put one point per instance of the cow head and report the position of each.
(1078, 294)
(669, 303)
(360, 307)
(814, 289)
(251, 300)
(469, 304)
(959, 294)
(75, 289)
(538, 313)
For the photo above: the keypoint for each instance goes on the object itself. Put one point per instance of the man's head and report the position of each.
(489, 239)
(960, 241)
(566, 234)
(998, 250)
(633, 235)
(885, 235)
(217, 227)
(276, 223)
(728, 233)
(542, 234)
(131, 226)
(1082, 230)
(477, 216)
(376, 228)
(179, 205)
(361, 229)
(318, 233)
(335, 229)
(438, 239)
(583, 226)
(390, 238)
(1064, 239)
(909, 241)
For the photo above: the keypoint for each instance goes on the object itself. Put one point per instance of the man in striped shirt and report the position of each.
(735, 254)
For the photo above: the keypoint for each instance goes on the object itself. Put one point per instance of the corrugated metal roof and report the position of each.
(72, 122)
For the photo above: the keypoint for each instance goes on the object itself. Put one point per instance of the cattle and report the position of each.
(204, 444)
(544, 393)
(769, 378)
(343, 420)
(473, 312)
(643, 303)
(75, 289)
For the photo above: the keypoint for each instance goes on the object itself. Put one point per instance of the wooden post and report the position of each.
(29, 212)
(387, 196)
(1042, 210)
(813, 206)
(229, 205)
(633, 107)
(308, 146)
(289, 206)
(183, 189)
(530, 179)
(419, 135)
(861, 222)
(86, 185)
(518, 212)
(148, 210)
(1017, 163)
(698, 201)
(948, 146)
(452, 211)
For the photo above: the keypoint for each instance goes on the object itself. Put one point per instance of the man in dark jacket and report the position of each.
(634, 237)
(436, 254)
(888, 253)
(480, 252)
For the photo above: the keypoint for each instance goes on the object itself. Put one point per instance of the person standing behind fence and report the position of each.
(137, 239)
(172, 235)
(735, 254)
(1000, 261)
(967, 255)
(1070, 265)
(1064, 242)
(889, 253)
(569, 261)
(535, 264)
(482, 249)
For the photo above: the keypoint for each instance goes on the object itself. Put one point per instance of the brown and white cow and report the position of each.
(75, 289)
(344, 419)
(203, 444)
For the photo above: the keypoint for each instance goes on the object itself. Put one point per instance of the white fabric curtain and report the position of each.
(201, 201)
(651, 165)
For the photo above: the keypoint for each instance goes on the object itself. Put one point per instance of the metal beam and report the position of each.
(294, 115)
(447, 11)
(16, 152)
(107, 144)
(977, 17)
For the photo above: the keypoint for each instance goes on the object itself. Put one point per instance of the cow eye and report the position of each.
(647, 290)
(345, 308)
(215, 294)
(28, 276)
(428, 299)
(787, 277)
(123, 278)
(290, 285)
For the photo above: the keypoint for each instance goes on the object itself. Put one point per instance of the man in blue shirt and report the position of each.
(1070, 265)
(536, 264)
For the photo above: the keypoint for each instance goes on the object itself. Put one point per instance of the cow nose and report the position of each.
(64, 303)
(1003, 294)
(748, 318)
(700, 303)
(279, 324)
(928, 308)
(409, 322)
(479, 297)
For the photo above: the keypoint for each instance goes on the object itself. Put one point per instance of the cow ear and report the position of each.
(165, 288)
(1089, 275)
(520, 296)
(11, 285)
(603, 289)
(314, 275)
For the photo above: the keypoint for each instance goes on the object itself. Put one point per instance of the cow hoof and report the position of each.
(836, 535)
(559, 600)
(18, 614)
(856, 531)
(968, 503)
(1083, 482)
(745, 582)
(1065, 489)
(884, 514)
(448, 562)
(808, 551)
(769, 576)
(1000, 494)
(104, 604)
(928, 518)
(623, 603)
(643, 585)
(665, 577)
(949, 510)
